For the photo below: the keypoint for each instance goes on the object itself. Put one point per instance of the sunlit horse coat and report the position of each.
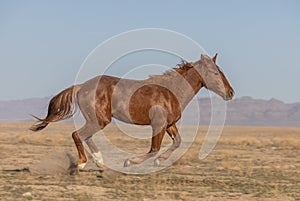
(157, 101)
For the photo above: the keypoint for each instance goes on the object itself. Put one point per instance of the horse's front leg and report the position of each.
(158, 123)
(155, 147)
(174, 134)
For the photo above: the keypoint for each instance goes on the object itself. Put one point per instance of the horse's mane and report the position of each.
(180, 68)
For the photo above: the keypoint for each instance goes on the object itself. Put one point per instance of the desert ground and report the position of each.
(248, 163)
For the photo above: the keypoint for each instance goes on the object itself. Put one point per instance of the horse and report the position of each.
(157, 101)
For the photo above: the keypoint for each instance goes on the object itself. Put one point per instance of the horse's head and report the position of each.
(214, 79)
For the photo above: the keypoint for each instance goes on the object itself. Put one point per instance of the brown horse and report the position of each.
(157, 101)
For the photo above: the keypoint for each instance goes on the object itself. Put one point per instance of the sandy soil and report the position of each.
(248, 163)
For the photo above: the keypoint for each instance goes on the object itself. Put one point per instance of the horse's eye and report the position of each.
(216, 73)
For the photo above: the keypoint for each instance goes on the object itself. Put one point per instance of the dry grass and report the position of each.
(248, 163)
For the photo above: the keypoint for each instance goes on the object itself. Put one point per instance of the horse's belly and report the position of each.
(132, 114)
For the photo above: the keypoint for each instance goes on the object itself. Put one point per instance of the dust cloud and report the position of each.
(55, 164)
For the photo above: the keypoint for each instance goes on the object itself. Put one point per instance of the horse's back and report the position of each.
(127, 100)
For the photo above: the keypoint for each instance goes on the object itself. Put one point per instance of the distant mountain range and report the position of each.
(20, 110)
(244, 111)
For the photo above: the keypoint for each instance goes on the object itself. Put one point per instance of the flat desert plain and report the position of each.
(248, 163)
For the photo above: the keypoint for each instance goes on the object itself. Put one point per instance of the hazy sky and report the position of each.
(43, 43)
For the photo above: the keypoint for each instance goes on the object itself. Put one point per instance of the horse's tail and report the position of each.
(61, 107)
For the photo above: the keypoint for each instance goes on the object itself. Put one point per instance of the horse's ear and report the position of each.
(214, 59)
(203, 57)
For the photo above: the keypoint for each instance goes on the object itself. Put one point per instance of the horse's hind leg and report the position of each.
(97, 116)
(86, 133)
(96, 154)
(81, 152)
(174, 134)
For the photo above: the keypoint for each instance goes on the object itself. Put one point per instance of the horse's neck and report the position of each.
(184, 86)
(195, 81)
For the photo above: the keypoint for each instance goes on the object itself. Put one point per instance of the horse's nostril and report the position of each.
(231, 93)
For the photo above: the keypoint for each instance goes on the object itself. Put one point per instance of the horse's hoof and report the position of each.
(97, 157)
(98, 163)
(81, 166)
(156, 162)
(127, 163)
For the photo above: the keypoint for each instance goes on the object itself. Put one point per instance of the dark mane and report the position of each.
(180, 68)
